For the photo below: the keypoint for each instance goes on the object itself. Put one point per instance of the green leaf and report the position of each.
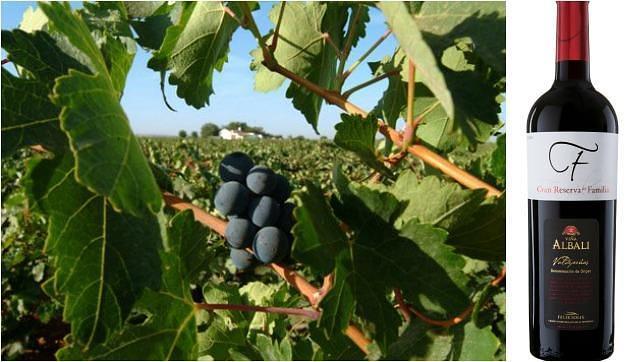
(475, 344)
(227, 331)
(28, 116)
(482, 235)
(318, 237)
(467, 37)
(360, 18)
(411, 41)
(336, 347)
(109, 160)
(435, 201)
(169, 328)
(103, 259)
(143, 9)
(194, 48)
(151, 30)
(187, 236)
(272, 351)
(483, 22)
(394, 97)
(426, 269)
(62, 19)
(322, 67)
(299, 45)
(33, 19)
(39, 54)
(420, 342)
(357, 134)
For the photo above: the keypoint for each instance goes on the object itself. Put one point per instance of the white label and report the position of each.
(572, 166)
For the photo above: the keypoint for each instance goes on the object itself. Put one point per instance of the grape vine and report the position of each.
(408, 261)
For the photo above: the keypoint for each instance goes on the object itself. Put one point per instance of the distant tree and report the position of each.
(238, 125)
(209, 129)
(183, 134)
(194, 134)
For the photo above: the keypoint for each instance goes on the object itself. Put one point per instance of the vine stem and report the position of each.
(276, 34)
(311, 293)
(312, 314)
(366, 54)
(448, 322)
(410, 128)
(371, 81)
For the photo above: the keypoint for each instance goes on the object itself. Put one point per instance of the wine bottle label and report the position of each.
(571, 278)
(572, 166)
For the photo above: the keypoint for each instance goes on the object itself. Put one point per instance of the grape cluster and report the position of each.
(259, 217)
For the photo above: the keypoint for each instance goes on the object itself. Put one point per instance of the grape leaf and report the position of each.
(143, 9)
(394, 97)
(194, 48)
(358, 135)
(468, 40)
(108, 157)
(421, 342)
(39, 54)
(435, 201)
(317, 233)
(411, 41)
(103, 259)
(151, 30)
(169, 330)
(482, 235)
(28, 116)
(336, 347)
(300, 41)
(475, 344)
(366, 270)
(322, 67)
(486, 160)
(273, 351)
(227, 331)
(360, 18)
(444, 22)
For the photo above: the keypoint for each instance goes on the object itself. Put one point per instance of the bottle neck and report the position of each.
(573, 56)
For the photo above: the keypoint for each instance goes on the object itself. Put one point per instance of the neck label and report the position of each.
(572, 166)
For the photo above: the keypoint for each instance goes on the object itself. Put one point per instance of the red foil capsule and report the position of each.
(572, 30)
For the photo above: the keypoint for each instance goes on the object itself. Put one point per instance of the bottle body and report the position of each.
(572, 167)
(572, 237)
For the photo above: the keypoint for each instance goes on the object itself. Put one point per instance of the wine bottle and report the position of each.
(572, 179)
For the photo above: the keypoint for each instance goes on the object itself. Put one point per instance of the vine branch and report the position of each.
(311, 293)
(452, 321)
(312, 314)
(332, 97)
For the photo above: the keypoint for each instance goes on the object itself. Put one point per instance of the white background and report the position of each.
(617, 65)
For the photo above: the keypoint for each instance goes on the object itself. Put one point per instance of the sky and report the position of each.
(234, 98)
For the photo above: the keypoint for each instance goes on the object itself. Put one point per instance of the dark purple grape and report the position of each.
(261, 180)
(263, 211)
(282, 189)
(270, 245)
(287, 219)
(235, 167)
(242, 258)
(232, 198)
(240, 233)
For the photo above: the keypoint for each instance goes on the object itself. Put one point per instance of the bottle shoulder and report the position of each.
(572, 107)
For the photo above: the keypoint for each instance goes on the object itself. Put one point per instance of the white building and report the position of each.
(238, 134)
